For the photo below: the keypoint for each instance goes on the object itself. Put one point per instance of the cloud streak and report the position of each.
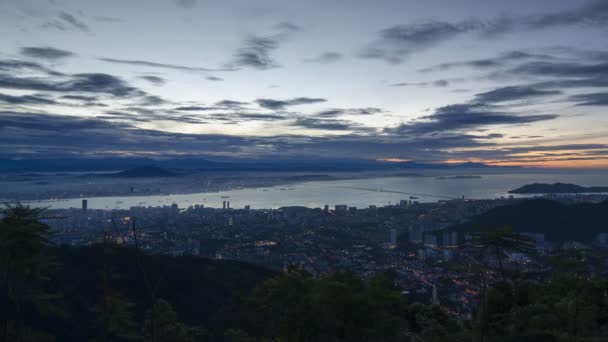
(150, 64)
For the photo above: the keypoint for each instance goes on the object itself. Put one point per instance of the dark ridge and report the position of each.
(559, 222)
(557, 188)
(201, 290)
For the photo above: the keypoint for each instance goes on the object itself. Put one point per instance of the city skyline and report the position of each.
(513, 84)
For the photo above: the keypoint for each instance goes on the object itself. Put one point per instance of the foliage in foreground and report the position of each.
(111, 293)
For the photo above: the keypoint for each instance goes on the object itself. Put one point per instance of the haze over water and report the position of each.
(353, 192)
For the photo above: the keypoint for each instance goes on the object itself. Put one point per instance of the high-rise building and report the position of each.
(341, 209)
(393, 240)
(454, 239)
(223, 204)
(85, 205)
(435, 298)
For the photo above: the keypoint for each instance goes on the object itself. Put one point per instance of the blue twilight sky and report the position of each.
(503, 82)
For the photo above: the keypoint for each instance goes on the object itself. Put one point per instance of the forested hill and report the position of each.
(557, 188)
(559, 222)
(203, 292)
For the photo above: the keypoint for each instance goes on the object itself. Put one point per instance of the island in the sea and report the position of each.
(558, 188)
(144, 171)
(459, 177)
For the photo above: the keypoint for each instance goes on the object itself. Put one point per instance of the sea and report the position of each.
(352, 192)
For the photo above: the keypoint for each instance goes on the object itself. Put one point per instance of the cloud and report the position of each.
(73, 21)
(328, 124)
(280, 104)
(330, 113)
(395, 43)
(87, 82)
(195, 108)
(230, 104)
(47, 53)
(287, 27)
(52, 136)
(26, 100)
(326, 58)
(464, 117)
(437, 83)
(593, 99)
(12, 65)
(561, 69)
(260, 117)
(59, 135)
(503, 59)
(513, 93)
(256, 53)
(80, 98)
(155, 80)
(213, 78)
(161, 65)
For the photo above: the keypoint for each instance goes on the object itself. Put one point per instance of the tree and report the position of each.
(498, 241)
(24, 267)
(114, 319)
(161, 323)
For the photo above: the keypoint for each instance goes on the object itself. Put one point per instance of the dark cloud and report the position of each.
(230, 104)
(26, 100)
(90, 82)
(437, 83)
(326, 58)
(280, 104)
(195, 108)
(48, 135)
(156, 80)
(592, 14)
(335, 112)
(73, 22)
(287, 27)
(329, 124)
(593, 99)
(513, 93)
(213, 78)
(12, 65)
(79, 98)
(161, 65)
(395, 43)
(561, 69)
(256, 53)
(501, 60)
(152, 100)
(47, 53)
(260, 116)
(462, 117)
(59, 135)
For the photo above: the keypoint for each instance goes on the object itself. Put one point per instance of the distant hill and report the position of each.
(559, 222)
(557, 188)
(268, 163)
(144, 171)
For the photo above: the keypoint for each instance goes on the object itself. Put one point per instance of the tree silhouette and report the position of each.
(24, 266)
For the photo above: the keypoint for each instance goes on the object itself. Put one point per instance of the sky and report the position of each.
(515, 82)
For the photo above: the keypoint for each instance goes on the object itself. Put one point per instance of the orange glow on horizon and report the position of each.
(538, 162)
